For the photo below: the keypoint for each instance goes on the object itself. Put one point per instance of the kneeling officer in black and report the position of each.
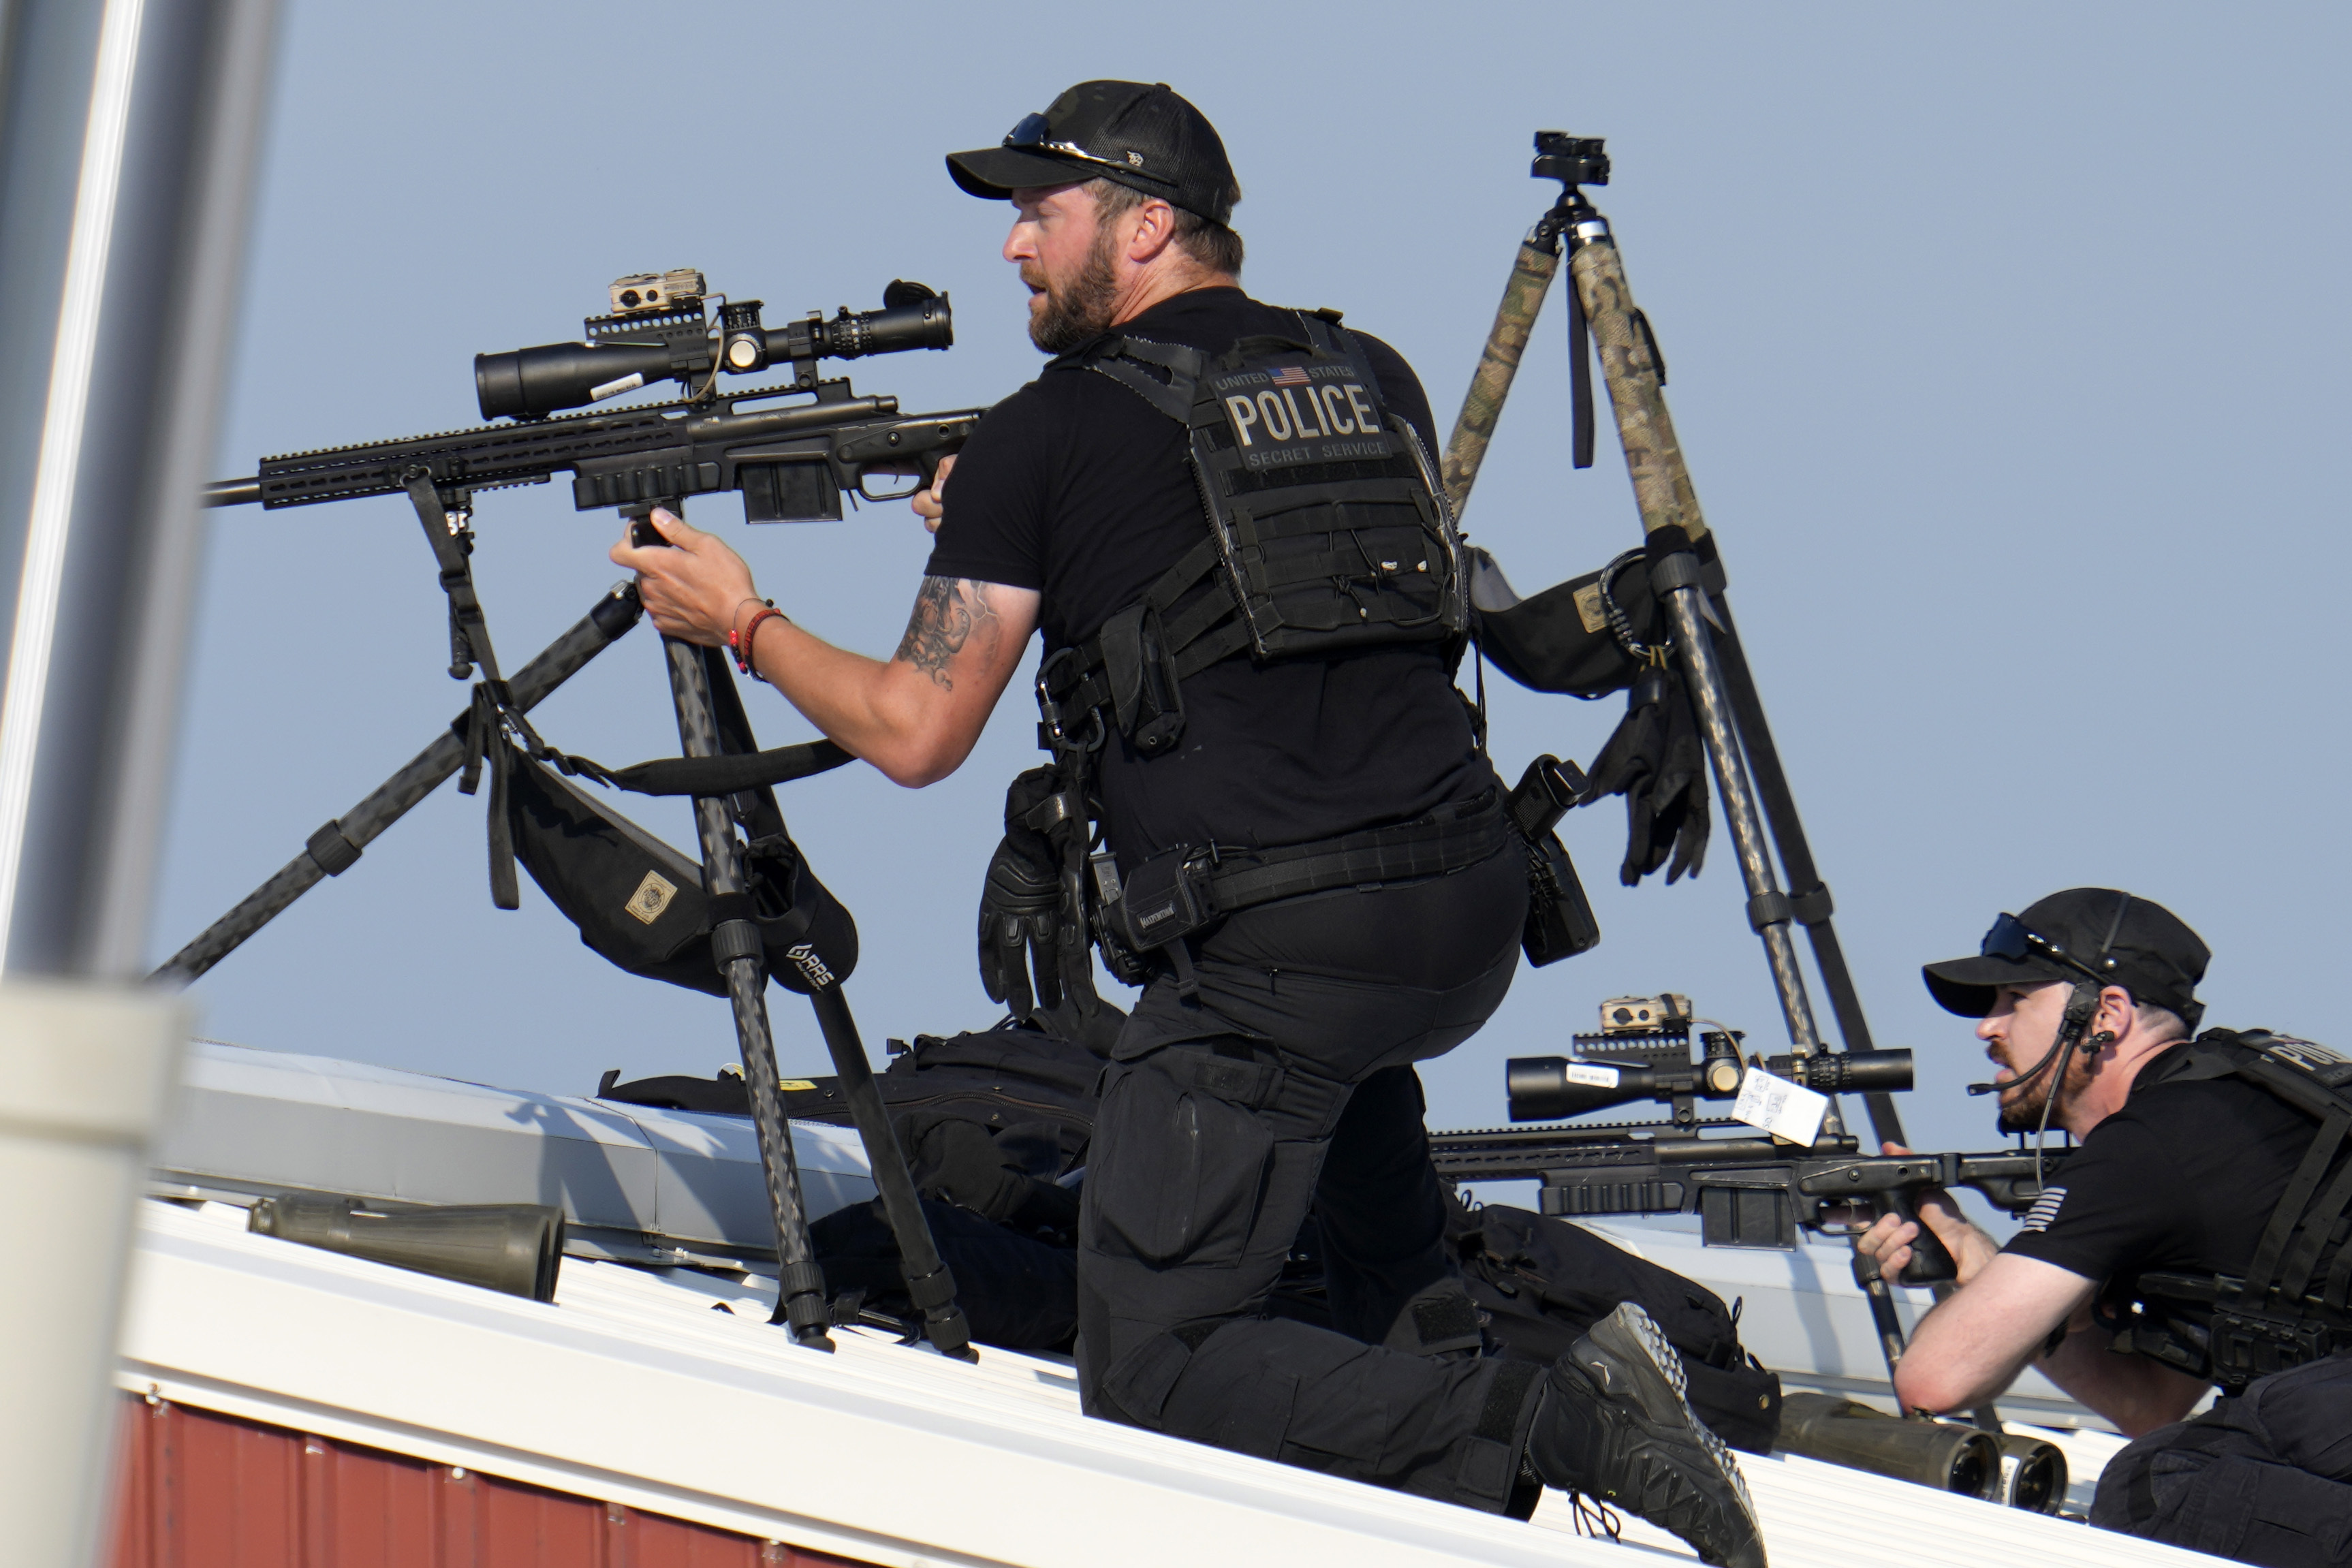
(2195, 1240)
(1221, 517)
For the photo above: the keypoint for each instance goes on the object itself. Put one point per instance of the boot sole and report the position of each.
(1634, 1340)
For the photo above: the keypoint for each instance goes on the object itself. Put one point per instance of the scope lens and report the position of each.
(524, 384)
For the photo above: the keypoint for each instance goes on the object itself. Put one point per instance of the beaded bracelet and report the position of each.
(739, 643)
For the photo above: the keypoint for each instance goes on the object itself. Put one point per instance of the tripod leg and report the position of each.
(929, 1284)
(1499, 364)
(1768, 907)
(800, 1283)
(334, 847)
(1809, 897)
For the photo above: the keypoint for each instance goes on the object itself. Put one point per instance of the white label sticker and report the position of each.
(615, 388)
(1784, 1110)
(1591, 1075)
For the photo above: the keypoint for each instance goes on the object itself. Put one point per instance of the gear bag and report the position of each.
(1585, 637)
(1543, 1282)
(640, 903)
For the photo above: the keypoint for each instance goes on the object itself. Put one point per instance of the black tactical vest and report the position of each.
(2295, 1305)
(1327, 530)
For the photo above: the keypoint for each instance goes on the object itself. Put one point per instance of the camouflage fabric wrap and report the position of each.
(1515, 320)
(1662, 482)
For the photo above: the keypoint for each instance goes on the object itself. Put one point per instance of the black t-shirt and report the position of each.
(1075, 487)
(2181, 1180)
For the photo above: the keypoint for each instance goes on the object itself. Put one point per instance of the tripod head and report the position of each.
(1573, 160)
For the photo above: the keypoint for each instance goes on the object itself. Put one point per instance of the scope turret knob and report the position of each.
(742, 353)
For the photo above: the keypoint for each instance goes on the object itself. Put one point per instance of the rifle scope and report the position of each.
(664, 336)
(1545, 1089)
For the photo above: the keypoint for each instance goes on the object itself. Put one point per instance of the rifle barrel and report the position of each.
(234, 492)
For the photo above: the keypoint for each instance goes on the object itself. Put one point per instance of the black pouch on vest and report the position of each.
(1164, 901)
(1144, 692)
(1560, 917)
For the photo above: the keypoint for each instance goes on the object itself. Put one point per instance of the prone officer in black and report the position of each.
(1222, 516)
(2195, 1239)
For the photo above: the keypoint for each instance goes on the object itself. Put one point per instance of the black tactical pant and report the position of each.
(1223, 1120)
(2265, 1478)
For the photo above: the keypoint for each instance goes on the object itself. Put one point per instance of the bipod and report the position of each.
(335, 848)
(1686, 575)
(695, 678)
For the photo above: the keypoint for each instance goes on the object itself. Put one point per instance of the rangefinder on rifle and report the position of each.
(791, 460)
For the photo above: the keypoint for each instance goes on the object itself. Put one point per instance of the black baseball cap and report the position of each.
(1137, 133)
(2097, 935)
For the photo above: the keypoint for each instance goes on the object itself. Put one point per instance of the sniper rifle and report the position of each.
(1748, 1188)
(792, 464)
(1747, 1191)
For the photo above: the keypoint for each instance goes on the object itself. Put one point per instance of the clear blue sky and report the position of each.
(2008, 346)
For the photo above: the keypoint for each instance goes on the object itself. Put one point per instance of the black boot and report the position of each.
(1614, 1425)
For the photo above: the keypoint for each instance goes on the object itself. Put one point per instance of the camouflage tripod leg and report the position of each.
(1499, 364)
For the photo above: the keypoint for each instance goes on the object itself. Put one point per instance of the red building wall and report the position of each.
(201, 1491)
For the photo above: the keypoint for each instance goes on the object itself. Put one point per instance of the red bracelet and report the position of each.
(740, 641)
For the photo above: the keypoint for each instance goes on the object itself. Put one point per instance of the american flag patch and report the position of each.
(1290, 375)
(2044, 1209)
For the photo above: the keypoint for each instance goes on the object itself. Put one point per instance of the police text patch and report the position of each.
(1303, 411)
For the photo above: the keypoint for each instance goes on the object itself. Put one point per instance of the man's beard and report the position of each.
(1082, 311)
(2024, 1113)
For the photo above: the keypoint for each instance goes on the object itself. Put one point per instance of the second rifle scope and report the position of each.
(1544, 1089)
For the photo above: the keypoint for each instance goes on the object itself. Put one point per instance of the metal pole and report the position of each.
(800, 1282)
(122, 220)
(128, 130)
(335, 848)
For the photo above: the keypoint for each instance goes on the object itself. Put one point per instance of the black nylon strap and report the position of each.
(1415, 849)
(505, 893)
(2318, 1224)
(2262, 1273)
(1222, 643)
(727, 774)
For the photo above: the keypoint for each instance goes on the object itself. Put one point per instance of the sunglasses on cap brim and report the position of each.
(2013, 939)
(1033, 134)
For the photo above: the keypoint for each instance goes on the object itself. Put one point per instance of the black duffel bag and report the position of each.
(1542, 1282)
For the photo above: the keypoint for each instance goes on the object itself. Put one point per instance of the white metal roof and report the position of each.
(631, 1388)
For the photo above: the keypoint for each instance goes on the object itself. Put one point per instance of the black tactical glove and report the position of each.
(1024, 921)
(1655, 761)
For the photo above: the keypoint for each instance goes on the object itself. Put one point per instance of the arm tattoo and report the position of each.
(948, 611)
